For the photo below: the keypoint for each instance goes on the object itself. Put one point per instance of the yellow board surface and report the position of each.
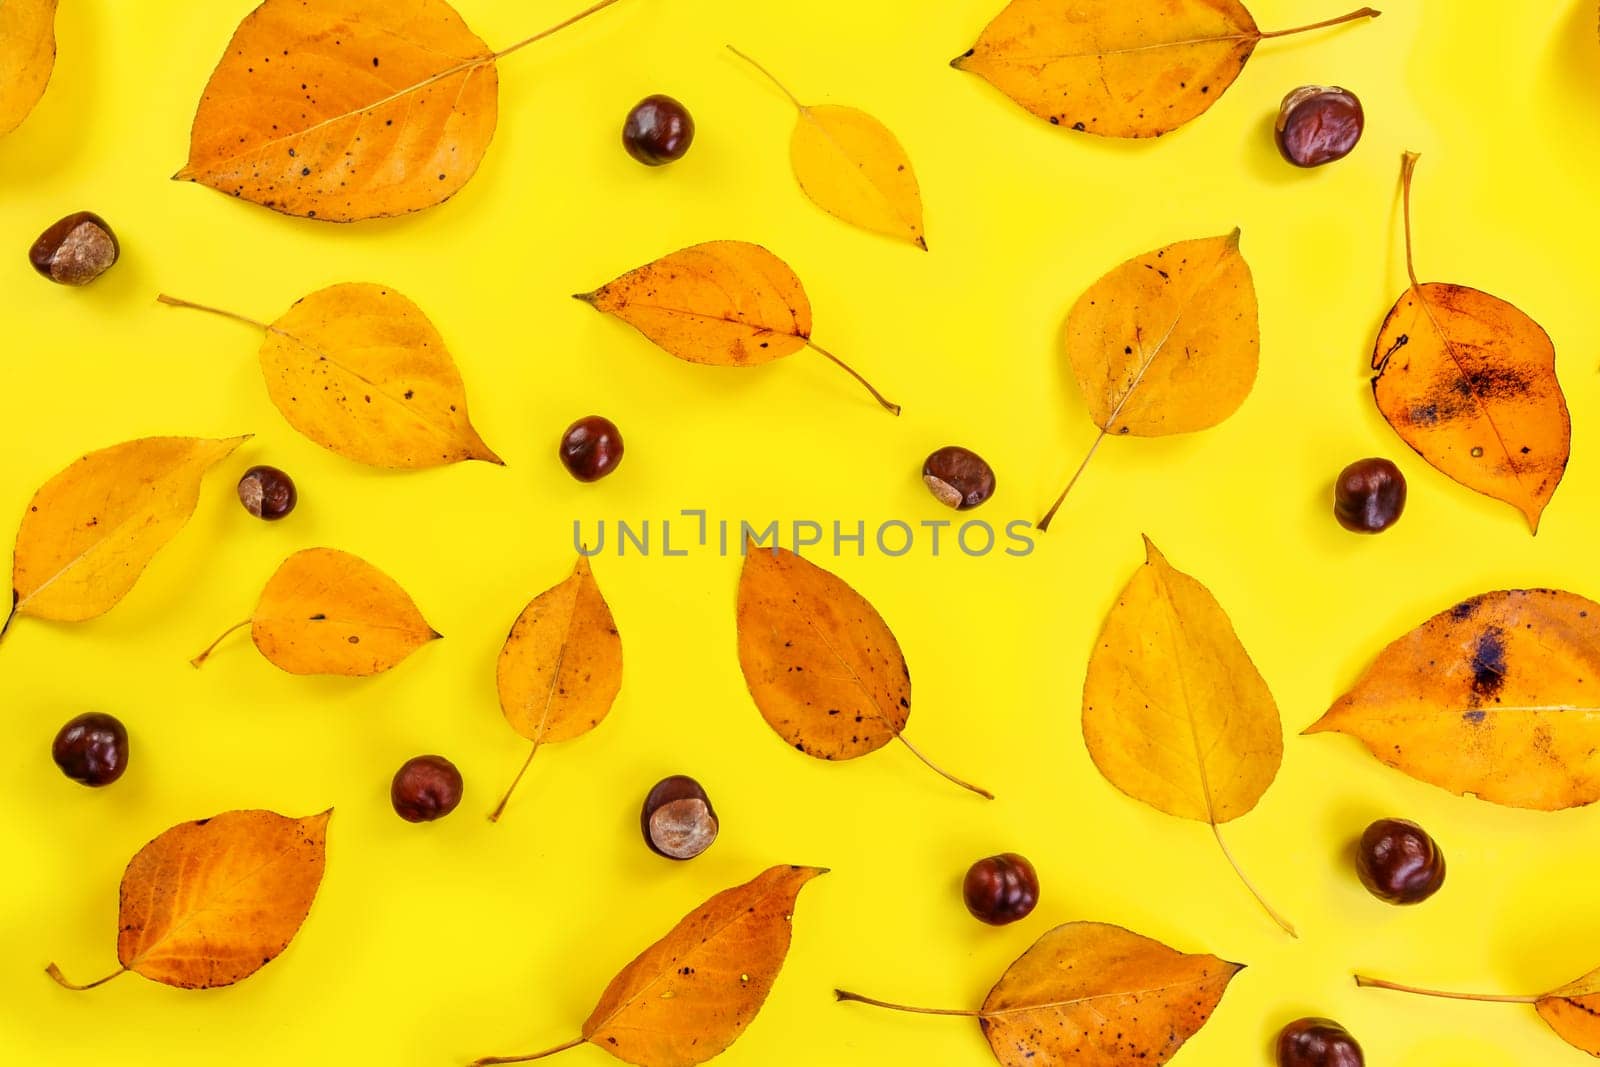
(434, 944)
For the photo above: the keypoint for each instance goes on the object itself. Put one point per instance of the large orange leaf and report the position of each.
(561, 667)
(210, 902)
(1494, 697)
(1094, 995)
(361, 371)
(90, 531)
(1166, 343)
(27, 57)
(1470, 382)
(722, 303)
(824, 668)
(1174, 711)
(688, 997)
(1572, 1010)
(1119, 68)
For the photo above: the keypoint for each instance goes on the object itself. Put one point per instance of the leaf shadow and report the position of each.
(52, 139)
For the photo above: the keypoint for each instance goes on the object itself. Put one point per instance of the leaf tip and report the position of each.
(434, 635)
(921, 242)
(960, 62)
(588, 298)
(1233, 238)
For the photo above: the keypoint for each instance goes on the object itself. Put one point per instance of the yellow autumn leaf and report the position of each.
(27, 57)
(90, 531)
(1175, 713)
(561, 667)
(853, 167)
(1572, 1010)
(361, 371)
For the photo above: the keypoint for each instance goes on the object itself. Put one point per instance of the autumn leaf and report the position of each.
(1166, 343)
(561, 667)
(723, 303)
(1493, 697)
(211, 902)
(1174, 711)
(328, 612)
(688, 997)
(90, 531)
(1121, 69)
(1572, 1010)
(1093, 995)
(1470, 383)
(343, 110)
(853, 167)
(824, 668)
(27, 57)
(361, 371)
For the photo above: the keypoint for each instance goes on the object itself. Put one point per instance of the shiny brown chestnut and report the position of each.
(267, 493)
(677, 819)
(92, 749)
(1399, 862)
(1318, 1043)
(1318, 124)
(75, 250)
(591, 448)
(1001, 889)
(425, 788)
(958, 477)
(658, 130)
(1369, 496)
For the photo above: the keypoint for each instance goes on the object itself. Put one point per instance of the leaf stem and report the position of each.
(1482, 998)
(55, 972)
(500, 809)
(1049, 516)
(773, 78)
(1408, 170)
(888, 405)
(200, 660)
(915, 751)
(172, 301)
(1364, 13)
(485, 1061)
(842, 995)
(1278, 918)
(593, 9)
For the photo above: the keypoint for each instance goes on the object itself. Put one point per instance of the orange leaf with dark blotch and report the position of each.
(1119, 68)
(328, 612)
(1572, 1010)
(1494, 697)
(1093, 995)
(27, 57)
(1469, 381)
(211, 902)
(722, 303)
(561, 667)
(342, 110)
(824, 668)
(688, 997)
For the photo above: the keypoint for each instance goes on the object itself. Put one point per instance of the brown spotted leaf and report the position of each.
(1495, 697)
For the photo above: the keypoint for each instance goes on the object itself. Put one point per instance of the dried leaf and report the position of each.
(824, 668)
(1572, 1011)
(688, 997)
(211, 902)
(561, 667)
(328, 612)
(1174, 711)
(361, 371)
(1118, 69)
(1166, 343)
(1494, 697)
(1470, 383)
(344, 110)
(1094, 995)
(853, 167)
(723, 303)
(90, 531)
(27, 57)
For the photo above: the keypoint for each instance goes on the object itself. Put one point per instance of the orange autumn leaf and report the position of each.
(1572, 1010)
(328, 612)
(1494, 698)
(561, 667)
(853, 167)
(344, 110)
(1166, 343)
(722, 303)
(1470, 382)
(360, 370)
(27, 57)
(688, 997)
(1121, 69)
(1175, 713)
(211, 902)
(1094, 995)
(90, 531)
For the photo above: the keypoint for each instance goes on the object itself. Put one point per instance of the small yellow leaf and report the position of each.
(27, 57)
(90, 531)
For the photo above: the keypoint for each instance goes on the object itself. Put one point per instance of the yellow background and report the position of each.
(430, 945)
